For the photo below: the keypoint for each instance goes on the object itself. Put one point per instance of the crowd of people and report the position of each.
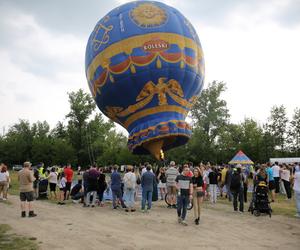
(182, 184)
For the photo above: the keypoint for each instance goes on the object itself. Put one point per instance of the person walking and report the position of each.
(198, 193)
(213, 184)
(171, 175)
(236, 188)
(4, 181)
(116, 187)
(25, 178)
(185, 194)
(129, 188)
(147, 182)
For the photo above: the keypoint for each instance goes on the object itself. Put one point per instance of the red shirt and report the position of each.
(190, 174)
(68, 174)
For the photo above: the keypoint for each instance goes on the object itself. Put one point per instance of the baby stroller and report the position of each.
(260, 201)
(43, 189)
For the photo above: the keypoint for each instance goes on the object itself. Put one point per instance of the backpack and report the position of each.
(235, 182)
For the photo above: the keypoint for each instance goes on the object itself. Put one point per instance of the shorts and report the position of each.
(271, 185)
(52, 187)
(172, 190)
(26, 196)
(200, 194)
(35, 184)
(68, 186)
(161, 185)
(62, 189)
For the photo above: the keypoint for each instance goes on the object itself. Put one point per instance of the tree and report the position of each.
(82, 106)
(295, 131)
(277, 126)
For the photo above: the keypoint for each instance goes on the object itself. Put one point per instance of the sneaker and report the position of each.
(297, 215)
(4, 199)
(23, 214)
(143, 211)
(126, 210)
(179, 220)
(197, 221)
(183, 222)
(114, 207)
(93, 205)
(133, 210)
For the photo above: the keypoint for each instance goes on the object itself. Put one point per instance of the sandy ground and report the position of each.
(75, 227)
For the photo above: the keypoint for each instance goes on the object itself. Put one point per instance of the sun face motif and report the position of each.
(148, 15)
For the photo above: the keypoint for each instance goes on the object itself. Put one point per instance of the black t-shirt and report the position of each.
(163, 178)
(213, 178)
(197, 181)
(184, 184)
(75, 189)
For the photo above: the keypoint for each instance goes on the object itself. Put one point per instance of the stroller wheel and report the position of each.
(256, 213)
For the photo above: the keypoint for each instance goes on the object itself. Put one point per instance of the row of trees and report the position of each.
(86, 137)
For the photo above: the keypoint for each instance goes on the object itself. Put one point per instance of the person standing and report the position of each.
(228, 177)
(69, 177)
(25, 178)
(116, 187)
(271, 180)
(92, 186)
(52, 178)
(213, 184)
(236, 188)
(161, 177)
(171, 175)
(185, 194)
(198, 193)
(4, 181)
(296, 188)
(147, 182)
(285, 175)
(223, 176)
(276, 176)
(102, 185)
(129, 188)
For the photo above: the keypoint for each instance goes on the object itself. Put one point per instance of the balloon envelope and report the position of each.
(145, 69)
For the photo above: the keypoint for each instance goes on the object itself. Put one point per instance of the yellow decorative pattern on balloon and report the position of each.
(148, 15)
(105, 37)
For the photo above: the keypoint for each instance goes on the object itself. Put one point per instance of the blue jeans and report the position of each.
(129, 197)
(182, 203)
(297, 197)
(229, 194)
(146, 196)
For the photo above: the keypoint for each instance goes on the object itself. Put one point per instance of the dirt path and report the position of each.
(75, 227)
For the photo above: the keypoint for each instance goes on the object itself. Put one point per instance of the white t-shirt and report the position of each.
(297, 182)
(62, 182)
(52, 177)
(129, 179)
(285, 175)
(275, 169)
(4, 176)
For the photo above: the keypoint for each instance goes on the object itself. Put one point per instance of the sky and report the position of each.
(253, 46)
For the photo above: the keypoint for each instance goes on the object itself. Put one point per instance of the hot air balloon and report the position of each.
(145, 69)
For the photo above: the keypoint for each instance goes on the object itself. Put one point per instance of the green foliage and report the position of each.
(87, 137)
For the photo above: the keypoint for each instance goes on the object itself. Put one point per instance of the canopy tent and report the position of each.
(241, 158)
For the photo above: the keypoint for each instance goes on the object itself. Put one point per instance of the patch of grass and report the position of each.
(14, 185)
(10, 241)
(280, 207)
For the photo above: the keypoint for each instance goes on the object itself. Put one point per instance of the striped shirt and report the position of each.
(171, 175)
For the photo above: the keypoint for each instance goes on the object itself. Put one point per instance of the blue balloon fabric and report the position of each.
(145, 69)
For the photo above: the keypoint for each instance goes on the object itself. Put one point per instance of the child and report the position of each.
(62, 187)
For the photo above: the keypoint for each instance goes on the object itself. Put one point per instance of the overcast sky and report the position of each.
(253, 46)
